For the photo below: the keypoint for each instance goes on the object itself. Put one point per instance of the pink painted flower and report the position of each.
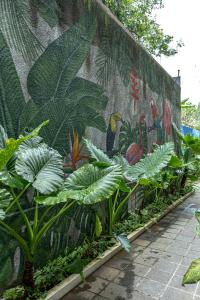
(167, 118)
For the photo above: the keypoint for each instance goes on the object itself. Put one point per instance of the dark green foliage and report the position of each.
(11, 96)
(14, 293)
(137, 16)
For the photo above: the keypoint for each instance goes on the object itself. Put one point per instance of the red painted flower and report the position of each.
(135, 87)
(167, 118)
(154, 110)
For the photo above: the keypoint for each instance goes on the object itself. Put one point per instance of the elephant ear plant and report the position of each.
(141, 174)
(38, 170)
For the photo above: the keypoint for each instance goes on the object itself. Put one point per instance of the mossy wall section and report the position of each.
(84, 72)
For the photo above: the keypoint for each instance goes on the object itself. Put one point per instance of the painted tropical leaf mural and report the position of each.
(55, 69)
(11, 96)
(69, 102)
(15, 25)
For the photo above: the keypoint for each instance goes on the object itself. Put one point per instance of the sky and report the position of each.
(181, 18)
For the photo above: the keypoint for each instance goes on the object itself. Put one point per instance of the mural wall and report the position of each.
(76, 66)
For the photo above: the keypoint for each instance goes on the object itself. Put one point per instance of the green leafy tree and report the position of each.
(137, 16)
(190, 114)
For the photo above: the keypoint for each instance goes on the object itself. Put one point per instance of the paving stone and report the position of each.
(107, 273)
(169, 235)
(146, 260)
(194, 247)
(156, 253)
(139, 270)
(173, 230)
(141, 242)
(164, 241)
(158, 246)
(179, 250)
(82, 295)
(165, 266)
(117, 263)
(181, 244)
(176, 282)
(198, 289)
(181, 270)
(193, 254)
(162, 277)
(94, 284)
(184, 238)
(128, 278)
(115, 291)
(175, 294)
(99, 298)
(172, 257)
(150, 236)
(157, 228)
(151, 288)
(186, 261)
(139, 296)
(125, 255)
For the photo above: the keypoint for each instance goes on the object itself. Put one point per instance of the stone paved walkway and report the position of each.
(155, 267)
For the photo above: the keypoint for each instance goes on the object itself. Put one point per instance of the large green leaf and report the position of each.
(193, 273)
(3, 137)
(11, 145)
(5, 199)
(42, 167)
(11, 96)
(89, 184)
(97, 153)
(55, 69)
(125, 243)
(9, 180)
(152, 163)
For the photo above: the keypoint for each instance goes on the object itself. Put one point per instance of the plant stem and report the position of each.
(123, 202)
(17, 198)
(110, 217)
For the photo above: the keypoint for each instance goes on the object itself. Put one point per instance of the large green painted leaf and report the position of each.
(65, 116)
(82, 91)
(152, 163)
(193, 273)
(48, 9)
(16, 26)
(11, 96)
(42, 167)
(55, 69)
